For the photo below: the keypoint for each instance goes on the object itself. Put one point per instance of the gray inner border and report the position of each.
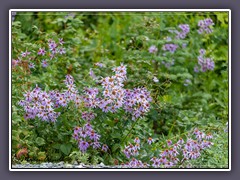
(177, 4)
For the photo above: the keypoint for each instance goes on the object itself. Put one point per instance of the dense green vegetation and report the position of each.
(185, 96)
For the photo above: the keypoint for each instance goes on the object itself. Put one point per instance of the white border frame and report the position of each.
(118, 10)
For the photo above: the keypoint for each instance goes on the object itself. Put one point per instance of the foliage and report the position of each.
(162, 53)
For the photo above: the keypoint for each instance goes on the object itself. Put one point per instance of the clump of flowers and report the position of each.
(137, 102)
(203, 62)
(134, 163)
(113, 97)
(38, 103)
(87, 137)
(133, 150)
(113, 92)
(70, 94)
(204, 26)
(181, 151)
(88, 116)
(174, 155)
(41, 104)
(170, 47)
(54, 49)
(185, 30)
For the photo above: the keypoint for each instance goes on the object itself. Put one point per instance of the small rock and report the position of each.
(68, 166)
(79, 166)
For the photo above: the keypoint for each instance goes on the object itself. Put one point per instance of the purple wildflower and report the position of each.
(41, 51)
(153, 49)
(44, 63)
(61, 50)
(170, 47)
(137, 140)
(204, 26)
(61, 42)
(83, 145)
(31, 65)
(105, 147)
(150, 140)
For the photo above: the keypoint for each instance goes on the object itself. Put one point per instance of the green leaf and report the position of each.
(40, 141)
(116, 147)
(66, 148)
(41, 156)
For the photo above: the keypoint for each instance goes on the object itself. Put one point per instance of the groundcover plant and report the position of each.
(123, 89)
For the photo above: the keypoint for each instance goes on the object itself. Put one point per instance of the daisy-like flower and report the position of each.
(137, 140)
(44, 63)
(180, 141)
(209, 136)
(200, 135)
(169, 142)
(83, 145)
(31, 65)
(153, 49)
(105, 147)
(150, 140)
(169, 164)
(52, 45)
(61, 42)
(61, 50)
(23, 54)
(96, 145)
(41, 51)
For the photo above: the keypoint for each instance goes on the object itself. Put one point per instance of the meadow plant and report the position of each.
(123, 114)
(174, 156)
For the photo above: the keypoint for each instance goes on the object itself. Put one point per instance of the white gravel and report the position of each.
(60, 165)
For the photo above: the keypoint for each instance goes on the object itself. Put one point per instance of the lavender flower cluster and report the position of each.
(185, 30)
(170, 47)
(137, 102)
(114, 96)
(69, 94)
(204, 64)
(182, 151)
(204, 26)
(87, 137)
(134, 163)
(38, 103)
(133, 150)
(88, 116)
(54, 49)
(174, 155)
